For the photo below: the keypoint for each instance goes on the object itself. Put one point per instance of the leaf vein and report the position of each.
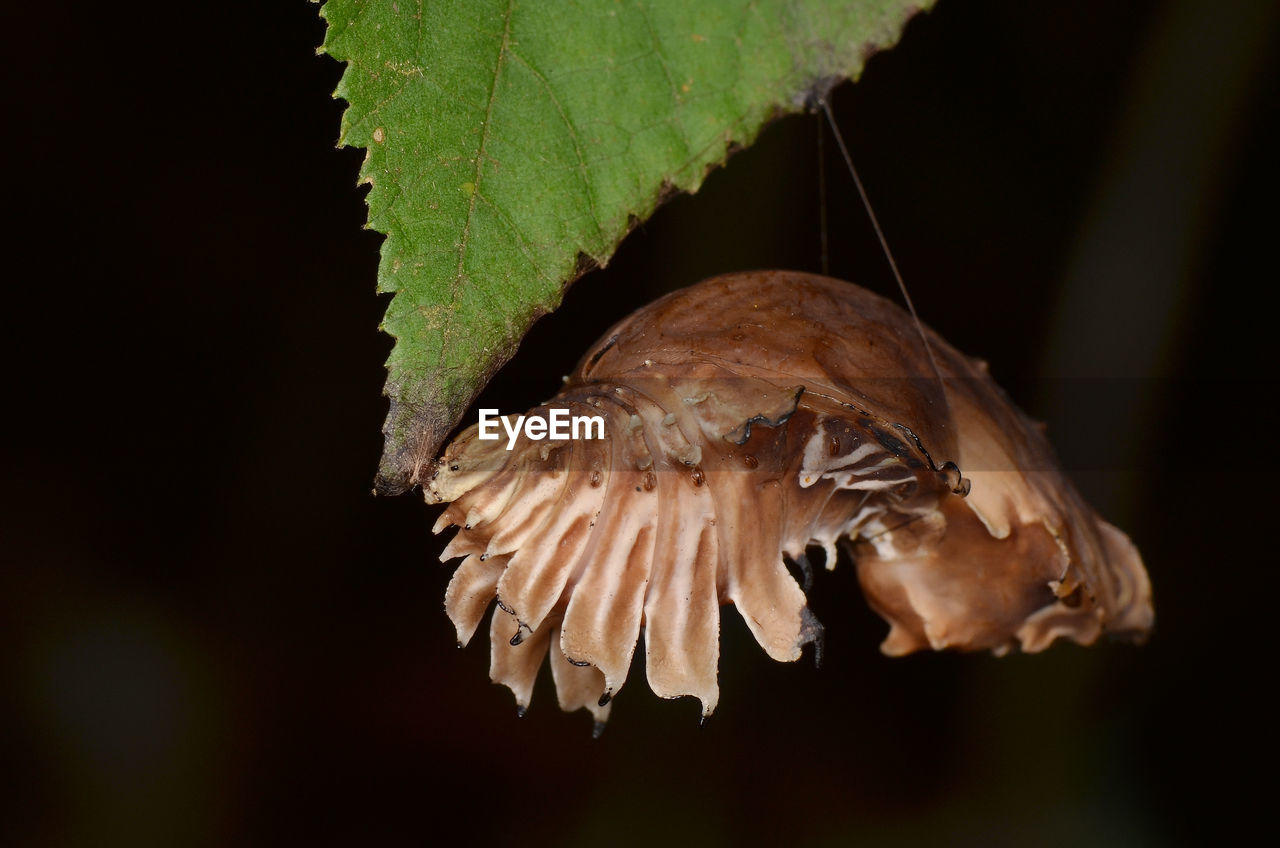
(573, 136)
(446, 332)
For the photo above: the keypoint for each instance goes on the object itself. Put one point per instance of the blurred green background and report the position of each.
(213, 634)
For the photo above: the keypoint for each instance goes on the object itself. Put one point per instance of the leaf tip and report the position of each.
(411, 437)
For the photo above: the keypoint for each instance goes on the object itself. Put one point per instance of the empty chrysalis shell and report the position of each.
(748, 418)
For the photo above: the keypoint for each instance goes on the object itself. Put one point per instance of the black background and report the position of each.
(213, 633)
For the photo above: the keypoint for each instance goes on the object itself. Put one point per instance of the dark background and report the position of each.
(214, 634)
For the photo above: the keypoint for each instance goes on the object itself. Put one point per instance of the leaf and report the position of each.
(512, 144)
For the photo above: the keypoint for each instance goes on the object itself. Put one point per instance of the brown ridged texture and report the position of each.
(750, 417)
(472, 589)
(538, 571)
(578, 687)
(515, 657)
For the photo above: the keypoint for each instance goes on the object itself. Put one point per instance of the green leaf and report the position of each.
(513, 143)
